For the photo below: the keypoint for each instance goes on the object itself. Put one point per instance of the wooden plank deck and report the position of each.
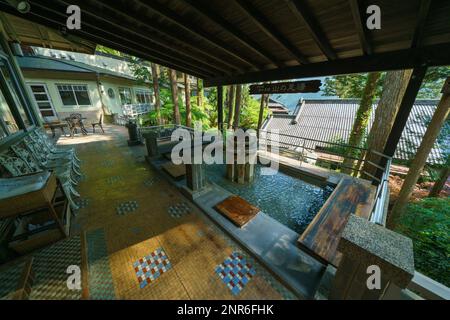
(322, 236)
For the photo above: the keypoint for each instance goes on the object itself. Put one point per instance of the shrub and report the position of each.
(427, 223)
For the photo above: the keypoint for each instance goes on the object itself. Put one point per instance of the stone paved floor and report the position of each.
(128, 212)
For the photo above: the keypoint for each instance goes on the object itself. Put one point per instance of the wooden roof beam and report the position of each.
(433, 55)
(360, 27)
(168, 48)
(57, 20)
(304, 15)
(157, 29)
(127, 40)
(264, 24)
(420, 25)
(207, 12)
(184, 23)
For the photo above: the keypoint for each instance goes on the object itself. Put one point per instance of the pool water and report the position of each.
(291, 201)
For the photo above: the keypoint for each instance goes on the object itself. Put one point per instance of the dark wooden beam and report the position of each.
(360, 26)
(303, 14)
(53, 21)
(220, 107)
(420, 25)
(153, 28)
(206, 11)
(157, 43)
(269, 29)
(402, 115)
(434, 55)
(93, 27)
(190, 27)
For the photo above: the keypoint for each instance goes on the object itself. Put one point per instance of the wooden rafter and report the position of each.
(270, 30)
(206, 11)
(154, 28)
(360, 27)
(304, 15)
(129, 40)
(162, 46)
(420, 25)
(51, 20)
(184, 23)
(434, 55)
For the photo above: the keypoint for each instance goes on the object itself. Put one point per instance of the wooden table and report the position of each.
(56, 125)
(37, 206)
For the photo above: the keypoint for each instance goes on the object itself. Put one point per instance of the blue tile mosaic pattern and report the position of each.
(101, 286)
(235, 272)
(82, 203)
(50, 269)
(150, 267)
(127, 207)
(151, 181)
(178, 210)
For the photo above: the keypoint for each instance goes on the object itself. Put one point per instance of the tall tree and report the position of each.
(440, 182)
(155, 78)
(361, 120)
(174, 91)
(200, 93)
(237, 106)
(187, 96)
(230, 105)
(419, 161)
(394, 87)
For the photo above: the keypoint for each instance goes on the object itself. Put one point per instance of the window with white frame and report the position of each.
(125, 95)
(143, 96)
(43, 100)
(74, 94)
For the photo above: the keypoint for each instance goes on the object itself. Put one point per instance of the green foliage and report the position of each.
(141, 71)
(250, 110)
(110, 51)
(198, 114)
(350, 86)
(427, 223)
(433, 82)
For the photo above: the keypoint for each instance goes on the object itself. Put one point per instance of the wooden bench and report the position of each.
(320, 239)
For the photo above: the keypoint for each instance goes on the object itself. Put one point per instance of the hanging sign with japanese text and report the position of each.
(286, 87)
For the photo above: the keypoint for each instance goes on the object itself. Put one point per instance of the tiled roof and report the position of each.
(332, 121)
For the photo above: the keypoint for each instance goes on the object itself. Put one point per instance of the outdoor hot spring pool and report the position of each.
(291, 201)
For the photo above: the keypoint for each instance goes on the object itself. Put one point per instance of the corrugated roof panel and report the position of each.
(330, 120)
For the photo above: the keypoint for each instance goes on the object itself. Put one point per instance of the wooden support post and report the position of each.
(220, 107)
(402, 115)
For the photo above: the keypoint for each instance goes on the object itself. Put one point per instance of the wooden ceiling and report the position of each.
(34, 34)
(242, 41)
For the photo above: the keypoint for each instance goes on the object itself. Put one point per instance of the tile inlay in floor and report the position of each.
(235, 272)
(179, 209)
(127, 207)
(100, 280)
(150, 267)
